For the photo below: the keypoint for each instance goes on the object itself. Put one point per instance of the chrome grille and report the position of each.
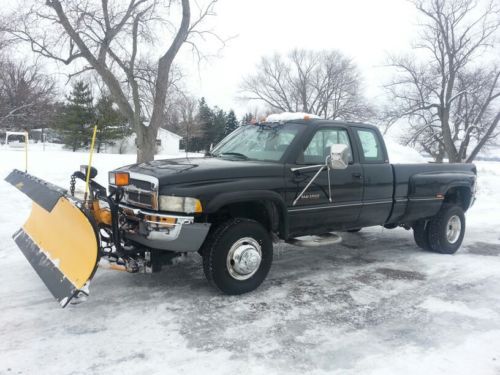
(142, 191)
(140, 184)
(142, 198)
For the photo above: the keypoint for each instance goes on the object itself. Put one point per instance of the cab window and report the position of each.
(319, 147)
(370, 145)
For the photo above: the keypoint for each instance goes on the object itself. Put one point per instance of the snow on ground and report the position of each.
(375, 304)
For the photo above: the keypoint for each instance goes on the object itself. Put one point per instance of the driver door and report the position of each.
(313, 212)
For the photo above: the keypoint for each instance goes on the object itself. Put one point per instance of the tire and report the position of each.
(421, 234)
(354, 230)
(233, 237)
(447, 229)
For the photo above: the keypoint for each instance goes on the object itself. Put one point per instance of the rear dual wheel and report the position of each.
(421, 234)
(444, 232)
(237, 256)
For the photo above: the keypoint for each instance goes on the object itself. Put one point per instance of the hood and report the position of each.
(185, 170)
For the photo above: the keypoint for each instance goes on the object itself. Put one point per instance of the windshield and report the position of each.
(258, 142)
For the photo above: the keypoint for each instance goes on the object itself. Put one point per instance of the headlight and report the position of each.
(180, 204)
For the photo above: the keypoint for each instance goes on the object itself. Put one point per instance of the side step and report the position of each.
(314, 241)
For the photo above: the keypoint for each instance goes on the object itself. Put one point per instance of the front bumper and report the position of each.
(163, 231)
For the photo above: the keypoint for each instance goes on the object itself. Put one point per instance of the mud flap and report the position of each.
(59, 239)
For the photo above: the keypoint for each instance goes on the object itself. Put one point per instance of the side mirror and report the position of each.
(339, 156)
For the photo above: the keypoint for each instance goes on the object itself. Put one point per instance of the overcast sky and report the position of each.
(365, 30)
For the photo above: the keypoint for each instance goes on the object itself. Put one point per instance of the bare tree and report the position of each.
(449, 97)
(325, 83)
(116, 39)
(183, 119)
(26, 96)
(477, 111)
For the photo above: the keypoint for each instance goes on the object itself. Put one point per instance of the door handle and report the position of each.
(356, 175)
(299, 177)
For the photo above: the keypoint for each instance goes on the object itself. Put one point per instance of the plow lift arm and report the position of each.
(61, 238)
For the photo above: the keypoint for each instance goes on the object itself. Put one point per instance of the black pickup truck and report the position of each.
(277, 181)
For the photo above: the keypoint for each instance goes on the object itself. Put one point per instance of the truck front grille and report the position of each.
(142, 185)
(142, 191)
(141, 198)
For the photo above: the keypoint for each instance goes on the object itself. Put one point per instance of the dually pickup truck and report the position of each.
(273, 181)
(264, 183)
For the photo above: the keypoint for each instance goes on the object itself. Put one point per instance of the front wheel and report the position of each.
(237, 256)
(446, 230)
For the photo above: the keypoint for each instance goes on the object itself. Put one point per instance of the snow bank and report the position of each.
(57, 165)
(399, 154)
(288, 116)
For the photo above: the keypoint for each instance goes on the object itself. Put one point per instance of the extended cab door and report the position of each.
(314, 212)
(377, 176)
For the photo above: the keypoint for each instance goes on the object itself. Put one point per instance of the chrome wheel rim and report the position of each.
(453, 229)
(244, 258)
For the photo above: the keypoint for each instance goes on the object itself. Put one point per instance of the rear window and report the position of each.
(370, 145)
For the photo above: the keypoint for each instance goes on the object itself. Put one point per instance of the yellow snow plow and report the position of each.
(65, 238)
(59, 239)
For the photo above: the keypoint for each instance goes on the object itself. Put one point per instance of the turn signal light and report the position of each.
(119, 178)
(161, 219)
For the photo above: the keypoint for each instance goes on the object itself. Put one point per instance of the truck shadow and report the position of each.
(372, 289)
(358, 259)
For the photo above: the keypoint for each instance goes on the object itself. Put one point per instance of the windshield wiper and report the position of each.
(242, 156)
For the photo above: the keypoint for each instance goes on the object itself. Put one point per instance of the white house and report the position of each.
(167, 143)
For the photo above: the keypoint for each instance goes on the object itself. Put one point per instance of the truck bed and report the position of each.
(419, 188)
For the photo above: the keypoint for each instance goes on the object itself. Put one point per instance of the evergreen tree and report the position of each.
(204, 119)
(212, 125)
(219, 118)
(77, 117)
(231, 123)
(111, 124)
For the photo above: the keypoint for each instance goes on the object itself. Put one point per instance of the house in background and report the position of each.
(167, 143)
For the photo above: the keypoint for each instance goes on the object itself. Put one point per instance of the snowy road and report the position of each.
(374, 304)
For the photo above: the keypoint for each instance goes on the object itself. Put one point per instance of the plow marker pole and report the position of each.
(26, 151)
(87, 178)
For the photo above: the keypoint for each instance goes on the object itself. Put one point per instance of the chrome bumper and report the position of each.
(164, 231)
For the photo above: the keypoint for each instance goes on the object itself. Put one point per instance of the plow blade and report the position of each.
(59, 239)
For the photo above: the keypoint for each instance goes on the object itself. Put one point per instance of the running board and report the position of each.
(314, 241)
